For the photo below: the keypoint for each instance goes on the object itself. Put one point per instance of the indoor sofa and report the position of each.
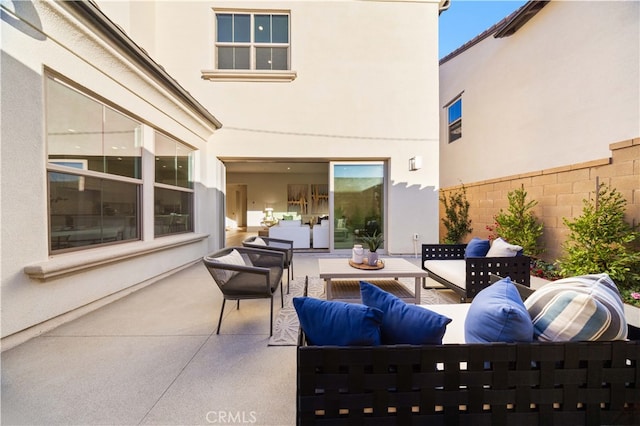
(292, 230)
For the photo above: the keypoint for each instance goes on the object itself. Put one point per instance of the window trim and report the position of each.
(455, 123)
(80, 261)
(175, 187)
(52, 167)
(251, 74)
(248, 75)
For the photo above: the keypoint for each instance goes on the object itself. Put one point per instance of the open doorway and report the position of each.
(236, 206)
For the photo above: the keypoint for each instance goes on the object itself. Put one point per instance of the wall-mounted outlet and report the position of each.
(416, 237)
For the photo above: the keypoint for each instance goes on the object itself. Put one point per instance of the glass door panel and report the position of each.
(358, 205)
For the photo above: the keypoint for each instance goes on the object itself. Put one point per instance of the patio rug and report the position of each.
(286, 325)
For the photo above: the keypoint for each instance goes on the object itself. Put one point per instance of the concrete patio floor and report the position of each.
(153, 358)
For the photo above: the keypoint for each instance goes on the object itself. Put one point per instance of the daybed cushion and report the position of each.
(497, 314)
(477, 247)
(453, 270)
(501, 248)
(403, 323)
(338, 323)
(585, 307)
(233, 258)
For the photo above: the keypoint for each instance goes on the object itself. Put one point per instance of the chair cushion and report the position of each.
(259, 242)
(403, 323)
(501, 248)
(497, 314)
(477, 248)
(338, 323)
(585, 307)
(233, 258)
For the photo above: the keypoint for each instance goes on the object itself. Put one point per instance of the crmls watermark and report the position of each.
(231, 417)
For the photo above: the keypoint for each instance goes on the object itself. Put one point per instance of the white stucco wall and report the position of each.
(43, 35)
(557, 92)
(366, 88)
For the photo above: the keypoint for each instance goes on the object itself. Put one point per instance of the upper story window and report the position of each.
(173, 192)
(93, 168)
(252, 41)
(252, 45)
(455, 120)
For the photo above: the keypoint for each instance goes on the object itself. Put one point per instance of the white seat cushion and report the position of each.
(452, 270)
(458, 313)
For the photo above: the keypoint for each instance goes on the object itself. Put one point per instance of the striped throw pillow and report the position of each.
(580, 308)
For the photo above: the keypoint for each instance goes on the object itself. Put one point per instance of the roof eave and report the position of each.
(520, 17)
(508, 26)
(88, 10)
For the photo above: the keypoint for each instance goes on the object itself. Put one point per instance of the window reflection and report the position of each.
(173, 211)
(173, 207)
(86, 211)
(84, 136)
(81, 128)
(358, 202)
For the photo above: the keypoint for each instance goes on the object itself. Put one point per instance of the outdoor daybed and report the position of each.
(447, 264)
(535, 383)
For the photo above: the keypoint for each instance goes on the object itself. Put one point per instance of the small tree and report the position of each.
(601, 241)
(456, 220)
(519, 225)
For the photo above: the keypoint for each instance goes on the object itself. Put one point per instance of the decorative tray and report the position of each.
(365, 265)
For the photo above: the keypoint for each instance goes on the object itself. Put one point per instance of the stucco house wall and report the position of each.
(553, 108)
(364, 90)
(555, 93)
(40, 290)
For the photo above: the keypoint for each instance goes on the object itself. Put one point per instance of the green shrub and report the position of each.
(601, 241)
(456, 220)
(518, 225)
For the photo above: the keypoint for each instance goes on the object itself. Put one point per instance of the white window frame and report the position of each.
(70, 167)
(252, 73)
(189, 221)
(457, 123)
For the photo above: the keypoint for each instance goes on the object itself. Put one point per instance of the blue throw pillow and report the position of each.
(403, 323)
(477, 248)
(338, 323)
(497, 314)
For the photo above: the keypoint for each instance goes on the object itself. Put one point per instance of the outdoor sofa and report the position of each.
(448, 265)
(535, 383)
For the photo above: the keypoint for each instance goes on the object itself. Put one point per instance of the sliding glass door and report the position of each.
(358, 191)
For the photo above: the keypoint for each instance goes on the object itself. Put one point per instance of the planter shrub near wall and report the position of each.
(601, 241)
(559, 193)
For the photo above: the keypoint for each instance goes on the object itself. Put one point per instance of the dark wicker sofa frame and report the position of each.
(478, 269)
(574, 383)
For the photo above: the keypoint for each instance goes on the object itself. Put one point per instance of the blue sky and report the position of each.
(465, 19)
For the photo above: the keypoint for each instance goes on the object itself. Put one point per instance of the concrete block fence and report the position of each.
(559, 192)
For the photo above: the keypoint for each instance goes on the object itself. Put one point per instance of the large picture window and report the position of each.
(252, 41)
(93, 170)
(173, 202)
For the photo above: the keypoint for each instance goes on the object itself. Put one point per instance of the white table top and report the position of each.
(393, 267)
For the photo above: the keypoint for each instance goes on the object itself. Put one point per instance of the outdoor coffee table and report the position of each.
(343, 280)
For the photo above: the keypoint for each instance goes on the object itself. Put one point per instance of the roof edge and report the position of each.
(87, 9)
(506, 27)
(520, 17)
